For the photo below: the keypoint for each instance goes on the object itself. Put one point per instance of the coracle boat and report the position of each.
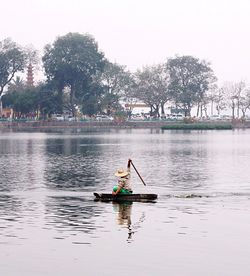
(125, 197)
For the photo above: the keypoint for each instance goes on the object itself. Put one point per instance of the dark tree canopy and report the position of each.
(72, 61)
(22, 101)
(80, 78)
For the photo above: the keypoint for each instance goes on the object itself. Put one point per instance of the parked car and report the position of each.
(103, 118)
(215, 118)
(226, 117)
(57, 117)
(70, 118)
(137, 117)
(177, 117)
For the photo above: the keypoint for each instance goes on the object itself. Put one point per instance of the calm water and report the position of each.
(50, 224)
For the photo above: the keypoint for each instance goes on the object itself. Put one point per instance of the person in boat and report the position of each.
(124, 185)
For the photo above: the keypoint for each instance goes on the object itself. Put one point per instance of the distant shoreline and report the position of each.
(94, 124)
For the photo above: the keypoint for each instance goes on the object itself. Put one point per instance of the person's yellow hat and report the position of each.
(121, 173)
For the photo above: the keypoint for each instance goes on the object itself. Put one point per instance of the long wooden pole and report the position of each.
(138, 173)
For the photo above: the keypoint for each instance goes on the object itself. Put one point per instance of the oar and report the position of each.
(138, 173)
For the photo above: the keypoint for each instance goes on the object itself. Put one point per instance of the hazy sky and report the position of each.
(141, 32)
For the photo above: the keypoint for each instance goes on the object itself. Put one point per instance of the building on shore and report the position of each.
(30, 76)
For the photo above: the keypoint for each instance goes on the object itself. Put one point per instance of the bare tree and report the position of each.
(234, 92)
(244, 102)
(12, 60)
(190, 79)
(32, 55)
(220, 100)
(152, 87)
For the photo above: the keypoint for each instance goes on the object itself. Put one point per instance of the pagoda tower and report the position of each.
(30, 77)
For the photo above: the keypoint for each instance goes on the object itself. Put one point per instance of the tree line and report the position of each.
(81, 80)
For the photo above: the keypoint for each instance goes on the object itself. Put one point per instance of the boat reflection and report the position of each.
(124, 213)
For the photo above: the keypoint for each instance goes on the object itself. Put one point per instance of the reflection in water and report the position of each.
(73, 214)
(10, 208)
(188, 166)
(192, 163)
(124, 212)
(17, 216)
(47, 209)
(22, 163)
(72, 163)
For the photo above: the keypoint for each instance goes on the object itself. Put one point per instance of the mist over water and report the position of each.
(198, 226)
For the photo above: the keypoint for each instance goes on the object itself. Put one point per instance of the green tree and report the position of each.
(47, 100)
(93, 98)
(22, 101)
(190, 78)
(41, 98)
(72, 61)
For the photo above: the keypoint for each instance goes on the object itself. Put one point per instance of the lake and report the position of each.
(51, 225)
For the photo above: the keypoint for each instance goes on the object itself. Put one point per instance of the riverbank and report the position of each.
(199, 126)
(128, 124)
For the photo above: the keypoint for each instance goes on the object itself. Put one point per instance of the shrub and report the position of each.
(198, 126)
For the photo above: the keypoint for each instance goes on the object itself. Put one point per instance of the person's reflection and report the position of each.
(124, 216)
(124, 211)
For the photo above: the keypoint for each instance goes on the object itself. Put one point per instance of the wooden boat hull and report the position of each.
(125, 197)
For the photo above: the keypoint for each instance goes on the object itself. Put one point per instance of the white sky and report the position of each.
(141, 32)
